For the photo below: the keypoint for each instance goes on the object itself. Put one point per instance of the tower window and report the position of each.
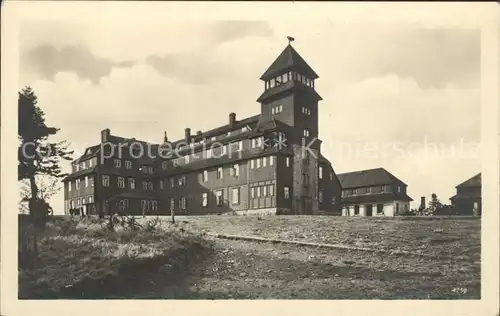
(306, 133)
(272, 83)
(285, 78)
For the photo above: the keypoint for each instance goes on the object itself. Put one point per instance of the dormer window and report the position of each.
(272, 83)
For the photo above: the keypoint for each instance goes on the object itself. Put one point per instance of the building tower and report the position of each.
(290, 97)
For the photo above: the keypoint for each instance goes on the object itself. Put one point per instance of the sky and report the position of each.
(401, 96)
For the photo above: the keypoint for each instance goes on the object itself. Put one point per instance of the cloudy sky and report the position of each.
(399, 96)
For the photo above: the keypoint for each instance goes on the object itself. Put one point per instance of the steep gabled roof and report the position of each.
(475, 181)
(289, 59)
(365, 178)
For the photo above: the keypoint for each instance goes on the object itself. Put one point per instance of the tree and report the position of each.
(37, 157)
(47, 188)
(36, 154)
(434, 204)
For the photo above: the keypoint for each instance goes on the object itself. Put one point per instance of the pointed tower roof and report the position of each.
(289, 59)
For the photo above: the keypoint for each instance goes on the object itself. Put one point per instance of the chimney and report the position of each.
(165, 138)
(187, 135)
(232, 118)
(105, 133)
(422, 202)
(198, 133)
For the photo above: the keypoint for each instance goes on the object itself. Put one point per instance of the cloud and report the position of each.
(191, 68)
(226, 31)
(47, 61)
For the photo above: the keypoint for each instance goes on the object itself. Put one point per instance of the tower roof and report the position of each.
(289, 59)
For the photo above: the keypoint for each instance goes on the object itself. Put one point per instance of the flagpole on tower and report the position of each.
(290, 39)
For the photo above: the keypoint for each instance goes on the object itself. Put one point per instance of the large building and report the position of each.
(467, 201)
(267, 163)
(373, 192)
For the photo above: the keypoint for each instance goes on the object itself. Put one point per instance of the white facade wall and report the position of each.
(389, 209)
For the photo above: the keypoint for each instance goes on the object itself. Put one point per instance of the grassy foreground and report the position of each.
(80, 260)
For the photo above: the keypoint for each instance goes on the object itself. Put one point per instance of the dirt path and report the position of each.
(245, 270)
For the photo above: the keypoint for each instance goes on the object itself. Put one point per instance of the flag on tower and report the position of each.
(290, 39)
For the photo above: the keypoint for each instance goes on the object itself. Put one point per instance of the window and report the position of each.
(172, 204)
(252, 164)
(306, 133)
(183, 203)
(286, 191)
(270, 189)
(91, 199)
(77, 184)
(204, 176)
(150, 186)
(105, 181)
(285, 78)
(83, 200)
(273, 111)
(204, 199)
(331, 176)
(264, 191)
(333, 200)
(220, 174)
(224, 150)
(144, 206)
(145, 185)
(161, 184)
(321, 172)
(154, 205)
(117, 163)
(86, 181)
(306, 111)
(208, 154)
(182, 180)
(320, 196)
(235, 170)
(131, 183)
(186, 159)
(244, 129)
(257, 191)
(235, 196)
(380, 208)
(121, 182)
(219, 195)
(69, 186)
(384, 188)
(91, 181)
(258, 162)
(280, 108)
(264, 161)
(252, 192)
(78, 202)
(172, 182)
(90, 163)
(164, 165)
(287, 161)
(123, 204)
(213, 139)
(271, 83)
(128, 164)
(271, 160)
(399, 189)
(240, 145)
(356, 209)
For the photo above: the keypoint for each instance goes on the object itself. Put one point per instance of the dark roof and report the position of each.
(365, 178)
(216, 162)
(251, 121)
(89, 152)
(466, 196)
(383, 197)
(475, 181)
(289, 59)
(79, 173)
